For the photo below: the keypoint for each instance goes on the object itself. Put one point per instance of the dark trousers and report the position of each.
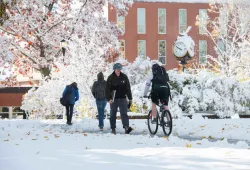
(123, 107)
(69, 112)
(101, 104)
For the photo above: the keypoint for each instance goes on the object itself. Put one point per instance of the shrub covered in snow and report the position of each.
(206, 91)
(191, 91)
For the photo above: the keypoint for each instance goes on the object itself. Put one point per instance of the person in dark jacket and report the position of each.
(71, 95)
(98, 91)
(117, 90)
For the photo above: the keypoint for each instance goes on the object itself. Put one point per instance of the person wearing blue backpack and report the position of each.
(70, 95)
(160, 88)
(98, 91)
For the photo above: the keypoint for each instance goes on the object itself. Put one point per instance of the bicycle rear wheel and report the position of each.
(152, 127)
(167, 125)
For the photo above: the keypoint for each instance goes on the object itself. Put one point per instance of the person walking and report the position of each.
(98, 91)
(117, 91)
(71, 95)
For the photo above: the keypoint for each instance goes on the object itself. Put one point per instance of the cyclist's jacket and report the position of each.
(148, 84)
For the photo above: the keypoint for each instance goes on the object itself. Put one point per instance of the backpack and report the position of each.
(160, 76)
(99, 90)
(69, 93)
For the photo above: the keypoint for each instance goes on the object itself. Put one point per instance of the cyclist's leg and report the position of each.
(153, 110)
(155, 101)
(164, 97)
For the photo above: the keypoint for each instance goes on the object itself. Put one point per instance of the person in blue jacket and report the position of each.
(71, 95)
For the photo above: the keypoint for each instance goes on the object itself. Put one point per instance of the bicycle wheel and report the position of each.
(152, 127)
(166, 119)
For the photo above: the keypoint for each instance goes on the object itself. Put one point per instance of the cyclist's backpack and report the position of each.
(99, 90)
(160, 76)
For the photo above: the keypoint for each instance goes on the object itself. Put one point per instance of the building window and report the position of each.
(141, 21)
(221, 46)
(122, 48)
(203, 17)
(182, 20)
(162, 21)
(142, 48)
(224, 21)
(162, 51)
(121, 22)
(202, 51)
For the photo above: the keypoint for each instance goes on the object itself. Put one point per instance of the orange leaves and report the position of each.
(188, 145)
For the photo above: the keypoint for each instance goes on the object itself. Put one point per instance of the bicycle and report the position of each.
(164, 119)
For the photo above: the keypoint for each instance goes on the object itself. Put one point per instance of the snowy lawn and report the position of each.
(50, 144)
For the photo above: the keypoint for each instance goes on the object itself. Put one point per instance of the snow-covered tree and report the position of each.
(228, 25)
(91, 39)
(34, 29)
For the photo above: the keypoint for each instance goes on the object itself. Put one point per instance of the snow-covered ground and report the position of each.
(50, 144)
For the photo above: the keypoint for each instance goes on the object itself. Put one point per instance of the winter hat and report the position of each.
(117, 66)
(74, 85)
(100, 76)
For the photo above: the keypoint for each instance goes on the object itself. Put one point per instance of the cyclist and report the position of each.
(160, 88)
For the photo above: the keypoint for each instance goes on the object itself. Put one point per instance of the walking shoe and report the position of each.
(128, 130)
(154, 120)
(113, 131)
(101, 128)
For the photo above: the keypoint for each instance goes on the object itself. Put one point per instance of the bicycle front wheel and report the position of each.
(152, 125)
(167, 125)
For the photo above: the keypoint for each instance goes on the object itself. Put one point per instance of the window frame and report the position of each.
(145, 48)
(205, 56)
(201, 29)
(159, 41)
(180, 20)
(124, 23)
(138, 24)
(124, 47)
(165, 19)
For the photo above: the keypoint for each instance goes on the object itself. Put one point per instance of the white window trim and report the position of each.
(117, 16)
(200, 32)
(138, 21)
(180, 19)
(199, 52)
(145, 47)
(159, 20)
(123, 47)
(165, 51)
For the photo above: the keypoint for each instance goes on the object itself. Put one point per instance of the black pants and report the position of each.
(69, 112)
(162, 94)
(123, 107)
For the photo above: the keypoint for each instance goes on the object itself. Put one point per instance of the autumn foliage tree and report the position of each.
(35, 28)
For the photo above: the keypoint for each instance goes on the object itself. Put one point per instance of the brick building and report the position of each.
(151, 28)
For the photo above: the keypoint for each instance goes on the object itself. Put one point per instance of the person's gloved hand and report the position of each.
(129, 104)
